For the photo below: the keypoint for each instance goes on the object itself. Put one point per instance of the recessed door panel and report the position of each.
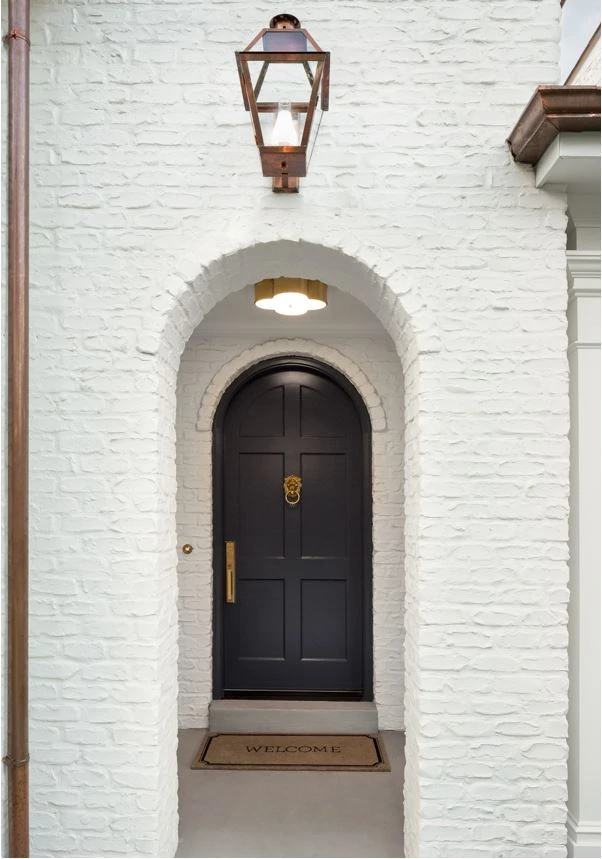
(319, 414)
(299, 624)
(324, 514)
(324, 620)
(260, 513)
(264, 415)
(260, 609)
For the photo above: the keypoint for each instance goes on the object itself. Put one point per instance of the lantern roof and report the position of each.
(284, 35)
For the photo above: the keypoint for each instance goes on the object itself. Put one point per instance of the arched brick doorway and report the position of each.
(166, 332)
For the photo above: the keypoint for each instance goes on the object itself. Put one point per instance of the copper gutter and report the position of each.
(17, 758)
(553, 109)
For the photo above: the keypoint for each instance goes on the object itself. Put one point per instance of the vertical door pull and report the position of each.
(230, 571)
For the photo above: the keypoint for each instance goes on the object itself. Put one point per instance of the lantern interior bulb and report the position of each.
(284, 132)
(290, 304)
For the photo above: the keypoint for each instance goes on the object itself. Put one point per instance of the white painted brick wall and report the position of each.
(589, 74)
(147, 208)
(209, 364)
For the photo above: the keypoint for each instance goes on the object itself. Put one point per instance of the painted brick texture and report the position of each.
(589, 73)
(148, 208)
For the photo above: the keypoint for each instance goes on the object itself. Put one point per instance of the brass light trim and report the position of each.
(314, 292)
(317, 292)
(264, 293)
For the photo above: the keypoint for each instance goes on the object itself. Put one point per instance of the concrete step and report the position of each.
(293, 717)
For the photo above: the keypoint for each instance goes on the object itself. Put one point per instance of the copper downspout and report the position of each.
(17, 758)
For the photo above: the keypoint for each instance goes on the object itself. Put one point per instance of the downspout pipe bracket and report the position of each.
(16, 33)
(11, 762)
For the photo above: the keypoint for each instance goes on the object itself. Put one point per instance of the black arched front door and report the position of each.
(292, 615)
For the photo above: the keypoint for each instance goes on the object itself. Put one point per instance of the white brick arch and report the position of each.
(180, 304)
(301, 347)
(182, 300)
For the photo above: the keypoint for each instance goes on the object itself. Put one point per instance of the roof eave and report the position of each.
(553, 109)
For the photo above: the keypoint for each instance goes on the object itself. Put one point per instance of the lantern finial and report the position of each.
(284, 21)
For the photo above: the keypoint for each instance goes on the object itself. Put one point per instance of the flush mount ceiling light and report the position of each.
(291, 71)
(291, 296)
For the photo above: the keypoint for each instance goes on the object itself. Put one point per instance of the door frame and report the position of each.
(262, 368)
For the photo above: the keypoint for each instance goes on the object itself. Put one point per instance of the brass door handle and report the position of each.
(230, 571)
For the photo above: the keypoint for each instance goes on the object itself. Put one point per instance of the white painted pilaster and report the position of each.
(584, 628)
(584, 216)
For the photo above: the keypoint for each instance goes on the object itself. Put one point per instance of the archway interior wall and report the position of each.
(209, 363)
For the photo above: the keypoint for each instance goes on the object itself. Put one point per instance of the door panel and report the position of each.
(260, 529)
(318, 418)
(264, 416)
(261, 616)
(298, 625)
(324, 514)
(323, 619)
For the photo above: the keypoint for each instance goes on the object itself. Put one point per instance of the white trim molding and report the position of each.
(572, 160)
(583, 264)
(583, 313)
(583, 838)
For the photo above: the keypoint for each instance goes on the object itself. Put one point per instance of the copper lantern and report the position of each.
(290, 71)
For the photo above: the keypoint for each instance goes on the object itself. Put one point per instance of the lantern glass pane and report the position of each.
(313, 134)
(282, 81)
(292, 41)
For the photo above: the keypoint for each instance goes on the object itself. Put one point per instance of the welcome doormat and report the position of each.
(348, 752)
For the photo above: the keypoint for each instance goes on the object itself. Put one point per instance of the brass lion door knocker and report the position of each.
(292, 490)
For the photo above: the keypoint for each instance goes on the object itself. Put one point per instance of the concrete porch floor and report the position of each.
(295, 814)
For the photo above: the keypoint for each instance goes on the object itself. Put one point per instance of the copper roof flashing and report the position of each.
(553, 109)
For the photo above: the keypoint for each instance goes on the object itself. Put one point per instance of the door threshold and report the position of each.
(247, 716)
(292, 695)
